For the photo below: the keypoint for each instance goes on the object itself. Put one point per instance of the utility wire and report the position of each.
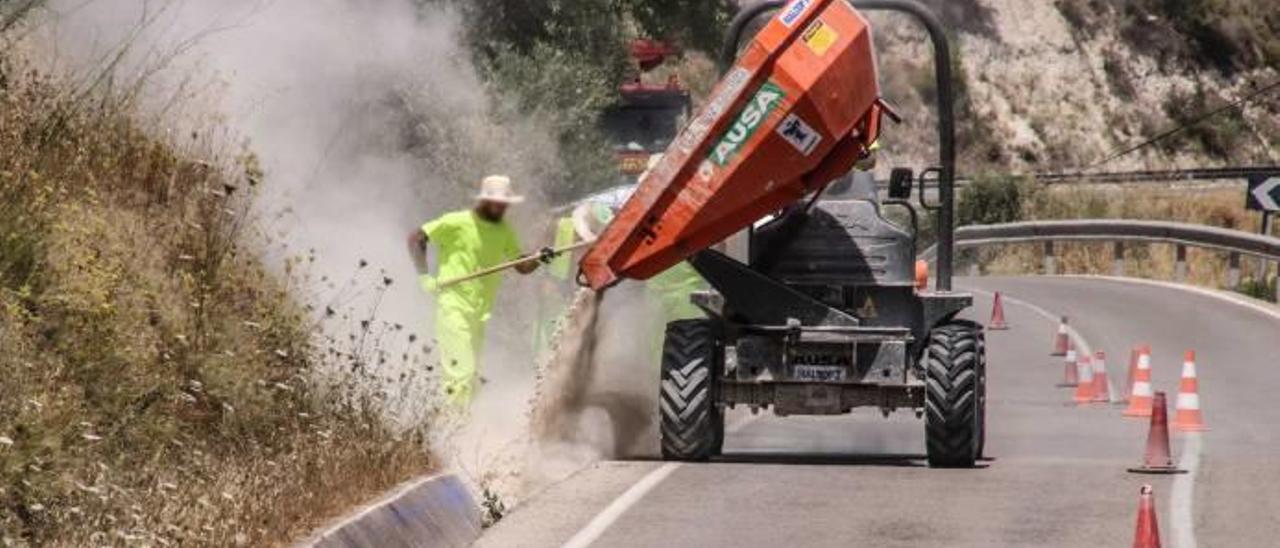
(1178, 129)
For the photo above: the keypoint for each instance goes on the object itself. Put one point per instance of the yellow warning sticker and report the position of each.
(820, 37)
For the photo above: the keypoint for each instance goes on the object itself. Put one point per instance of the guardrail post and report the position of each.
(1117, 264)
(1278, 282)
(1180, 267)
(974, 269)
(1050, 265)
(1233, 271)
(1264, 281)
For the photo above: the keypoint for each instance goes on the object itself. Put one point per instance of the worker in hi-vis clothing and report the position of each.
(468, 241)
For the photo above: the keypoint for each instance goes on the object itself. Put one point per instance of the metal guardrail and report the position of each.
(1120, 231)
(1236, 175)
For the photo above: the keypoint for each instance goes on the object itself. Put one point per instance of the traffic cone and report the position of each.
(1070, 370)
(1062, 340)
(1158, 458)
(1084, 388)
(1147, 531)
(1188, 417)
(997, 315)
(1101, 388)
(1140, 395)
(1133, 367)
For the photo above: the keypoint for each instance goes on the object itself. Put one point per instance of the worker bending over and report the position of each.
(468, 241)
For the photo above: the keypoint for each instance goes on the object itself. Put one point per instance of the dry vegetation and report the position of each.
(158, 381)
(1005, 200)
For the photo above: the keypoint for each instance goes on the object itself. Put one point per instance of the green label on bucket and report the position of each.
(753, 115)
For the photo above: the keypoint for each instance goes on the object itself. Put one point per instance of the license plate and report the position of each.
(819, 373)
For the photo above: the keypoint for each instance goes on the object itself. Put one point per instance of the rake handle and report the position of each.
(509, 265)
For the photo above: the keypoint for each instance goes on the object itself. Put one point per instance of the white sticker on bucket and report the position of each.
(729, 90)
(794, 12)
(799, 134)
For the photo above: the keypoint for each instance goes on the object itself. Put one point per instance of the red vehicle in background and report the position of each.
(649, 115)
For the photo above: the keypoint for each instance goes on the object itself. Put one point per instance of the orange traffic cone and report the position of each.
(1158, 458)
(1188, 417)
(997, 315)
(1140, 395)
(1084, 388)
(1101, 387)
(1062, 340)
(1147, 531)
(1070, 370)
(1133, 366)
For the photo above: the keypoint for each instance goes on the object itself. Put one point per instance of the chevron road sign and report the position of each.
(1264, 193)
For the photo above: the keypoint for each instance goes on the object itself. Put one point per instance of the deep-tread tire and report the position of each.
(955, 394)
(982, 393)
(692, 425)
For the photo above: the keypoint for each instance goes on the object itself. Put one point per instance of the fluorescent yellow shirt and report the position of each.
(467, 243)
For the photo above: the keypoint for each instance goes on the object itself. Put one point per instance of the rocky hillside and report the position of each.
(1063, 84)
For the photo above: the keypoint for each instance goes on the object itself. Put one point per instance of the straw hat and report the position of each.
(497, 188)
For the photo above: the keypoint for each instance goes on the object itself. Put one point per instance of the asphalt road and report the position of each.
(1056, 474)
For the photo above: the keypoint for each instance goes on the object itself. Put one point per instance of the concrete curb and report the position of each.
(435, 512)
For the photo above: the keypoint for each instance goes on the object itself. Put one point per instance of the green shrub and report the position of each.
(1218, 136)
(990, 200)
(1258, 289)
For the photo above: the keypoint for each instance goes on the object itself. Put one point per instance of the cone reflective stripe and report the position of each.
(1061, 341)
(1070, 370)
(1133, 367)
(1140, 395)
(1084, 388)
(1158, 458)
(997, 314)
(1188, 417)
(1101, 388)
(1147, 531)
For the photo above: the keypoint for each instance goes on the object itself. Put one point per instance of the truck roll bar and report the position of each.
(946, 106)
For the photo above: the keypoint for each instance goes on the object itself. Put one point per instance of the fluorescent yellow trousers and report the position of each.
(460, 336)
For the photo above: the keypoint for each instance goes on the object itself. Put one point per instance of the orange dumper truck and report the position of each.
(830, 310)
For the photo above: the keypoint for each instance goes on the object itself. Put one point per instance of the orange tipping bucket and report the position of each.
(799, 108)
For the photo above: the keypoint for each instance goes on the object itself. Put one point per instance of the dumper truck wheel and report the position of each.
(955, 393)
(982, 392)
(692, 427)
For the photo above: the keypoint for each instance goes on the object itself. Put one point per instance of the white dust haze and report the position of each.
(367, 118)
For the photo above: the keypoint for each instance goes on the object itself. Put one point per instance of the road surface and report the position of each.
(1056, 474)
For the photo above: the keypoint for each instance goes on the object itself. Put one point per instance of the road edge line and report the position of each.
(1082, 344)
(1182, 499)
(619, 506)
(1241, 300)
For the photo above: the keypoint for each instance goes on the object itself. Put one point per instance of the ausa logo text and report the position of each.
(755, 113)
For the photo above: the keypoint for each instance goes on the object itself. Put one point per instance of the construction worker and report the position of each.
(468, 241)
(552, 295)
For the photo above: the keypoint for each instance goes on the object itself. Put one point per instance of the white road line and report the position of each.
(601, 522)
(1240, 300)
(1183, 487)
(1082, 345)
(607, 517)
(1180, 501)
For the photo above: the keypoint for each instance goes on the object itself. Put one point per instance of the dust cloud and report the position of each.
(596, 390)
(368, 118)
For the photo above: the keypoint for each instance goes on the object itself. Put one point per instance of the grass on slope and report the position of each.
(156, 378)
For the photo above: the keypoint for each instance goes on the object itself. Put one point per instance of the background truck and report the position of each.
(647, 116)
(830, 311)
